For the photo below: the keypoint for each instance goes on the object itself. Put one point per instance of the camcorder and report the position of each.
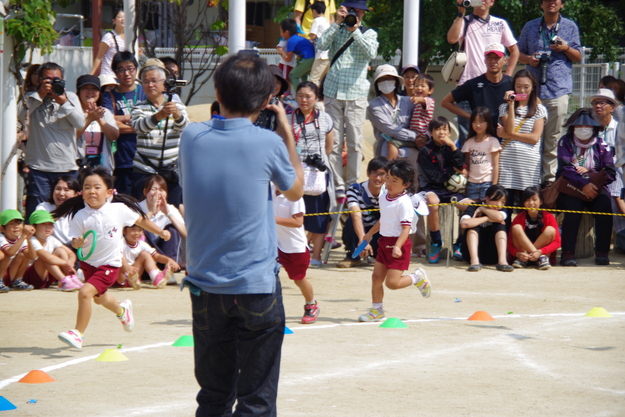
(171, 84)
(472, 3)
(352, 18)
(58, 86)
(517, 97)
(315, 161)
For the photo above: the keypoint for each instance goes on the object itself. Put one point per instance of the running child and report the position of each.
(100, 209)
(293, 252)
(482, 153)
(140, 256)
(14, 237)
(534, 236)
(298, 46)
(394, 247)
(485, 232)
(52, 260)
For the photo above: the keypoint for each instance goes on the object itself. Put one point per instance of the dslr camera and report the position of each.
(315, 161)
(58, 86)
(352, 18)
(543, 64)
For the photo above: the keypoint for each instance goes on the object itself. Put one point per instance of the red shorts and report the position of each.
(101, 277)
(385, 253)
(286, 70)
(295, 264)
(6, 280)
(32, 277)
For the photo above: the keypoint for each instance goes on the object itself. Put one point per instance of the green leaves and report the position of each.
(32, 26)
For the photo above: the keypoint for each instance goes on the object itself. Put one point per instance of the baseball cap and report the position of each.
(495, 48)
(87, 79)
(8, 215)
(412, 67)
(40, 216)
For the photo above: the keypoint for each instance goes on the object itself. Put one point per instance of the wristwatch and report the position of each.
(460, 15)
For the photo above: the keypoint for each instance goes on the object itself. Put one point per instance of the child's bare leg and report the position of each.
(53, 270)
(377, 282)
(145, 262)
(501, 243)
(18, 266)
(318, 240)
(395, 280)
(521, 241)
(85, 295)
(4, 265)
(472, 243)
(306, 289)
(431, 198)
(392, 152)
(109, 302)
(546, 237)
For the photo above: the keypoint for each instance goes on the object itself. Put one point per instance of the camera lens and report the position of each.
(351, 19)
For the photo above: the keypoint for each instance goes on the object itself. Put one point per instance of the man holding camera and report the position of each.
(346, 87)
(549, 46)
(477, 31)
(51, 151)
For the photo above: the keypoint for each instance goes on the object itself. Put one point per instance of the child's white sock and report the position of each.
(153, 273)
(378, 306)
(415, 278)
(311, 302)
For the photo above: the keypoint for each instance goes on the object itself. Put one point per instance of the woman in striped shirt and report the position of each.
(522, 123)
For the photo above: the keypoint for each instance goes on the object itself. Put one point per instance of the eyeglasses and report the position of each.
(126, 70)
(600, 103)
(152, 82)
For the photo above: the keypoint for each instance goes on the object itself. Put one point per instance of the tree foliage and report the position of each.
(600, 26)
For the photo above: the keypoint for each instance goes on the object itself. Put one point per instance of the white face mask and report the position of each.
(583, 133)
(386, 87)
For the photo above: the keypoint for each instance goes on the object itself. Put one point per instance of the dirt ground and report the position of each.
(541, 356)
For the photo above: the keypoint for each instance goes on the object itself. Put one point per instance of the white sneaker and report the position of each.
(422, 282)
(127, 319)
(373, 315)
(71, 337)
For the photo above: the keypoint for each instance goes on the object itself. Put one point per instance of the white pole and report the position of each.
(8, 194)
(236, 26)
(411, 33)
(129, 27)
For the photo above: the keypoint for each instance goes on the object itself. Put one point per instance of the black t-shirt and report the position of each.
(479, 91)
(533, 228)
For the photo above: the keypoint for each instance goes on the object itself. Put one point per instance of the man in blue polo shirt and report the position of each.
(556, 39)
(238, 316)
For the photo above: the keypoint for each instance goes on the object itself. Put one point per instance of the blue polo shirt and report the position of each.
(226, 166)
(560, 70)
(302, 47)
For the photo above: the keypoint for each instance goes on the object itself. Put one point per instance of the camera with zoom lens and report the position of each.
(315, 161)
(352, 18)
(58, 86)
(543, 64)
(472, 3)
(171, 84)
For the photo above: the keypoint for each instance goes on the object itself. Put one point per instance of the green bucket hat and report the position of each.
(40, 216)
(8, 215)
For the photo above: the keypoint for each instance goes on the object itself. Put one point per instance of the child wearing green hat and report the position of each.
(52, 259)
(14, 237)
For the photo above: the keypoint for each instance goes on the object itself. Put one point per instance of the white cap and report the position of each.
(386, 69)
(107, 79)
(606, 94)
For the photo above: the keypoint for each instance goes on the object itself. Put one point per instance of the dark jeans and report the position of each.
(170, 247)
(238, 343)
(571, 222)
(350, 240)
(40, 187)
(174, 190)
(123, 181)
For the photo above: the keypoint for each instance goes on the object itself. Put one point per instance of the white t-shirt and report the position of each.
(395, 212)
(108, 222)
(292, 63)
(61, 226)
(481, 158)
(93, 138)
(109, 38)
(159, 218)
(132, 252)
(290, 239)
(320, 25)
(5, 243)
(51, 245)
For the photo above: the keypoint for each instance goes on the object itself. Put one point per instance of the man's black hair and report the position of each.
(289, 25)
(215, 108)
(244, 84)
(319, 7)
(169, 60)
(50, 66)
(123, 56)
(377, 163)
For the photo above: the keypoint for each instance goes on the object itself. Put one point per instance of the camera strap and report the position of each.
(467, 22)
(345, 46)
(302, 126)
(544, 31)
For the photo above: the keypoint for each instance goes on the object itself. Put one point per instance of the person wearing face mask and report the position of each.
(581, 152)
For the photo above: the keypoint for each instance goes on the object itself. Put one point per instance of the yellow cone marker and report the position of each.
(598, 312)
(111, 355)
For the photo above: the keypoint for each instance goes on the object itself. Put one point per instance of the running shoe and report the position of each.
(601, 258)
(457, 253)
(71, 337)
(568, 259)
(160, 280)
(373, 315)
(311, 311)
(3, 288)
(435, 252)
(19, 285)
(519, 263)
(315, 263)
(67, 284)
(127, 319)
(76, 280)
(348, 263)
(543, 263)
(422, 282)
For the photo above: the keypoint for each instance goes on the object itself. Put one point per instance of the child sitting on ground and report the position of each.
(298, 46)
(421, 115)
(14, 237)
(52, 259)
(139, 257)
(293, 252)
(438, 160)
(534, 236)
